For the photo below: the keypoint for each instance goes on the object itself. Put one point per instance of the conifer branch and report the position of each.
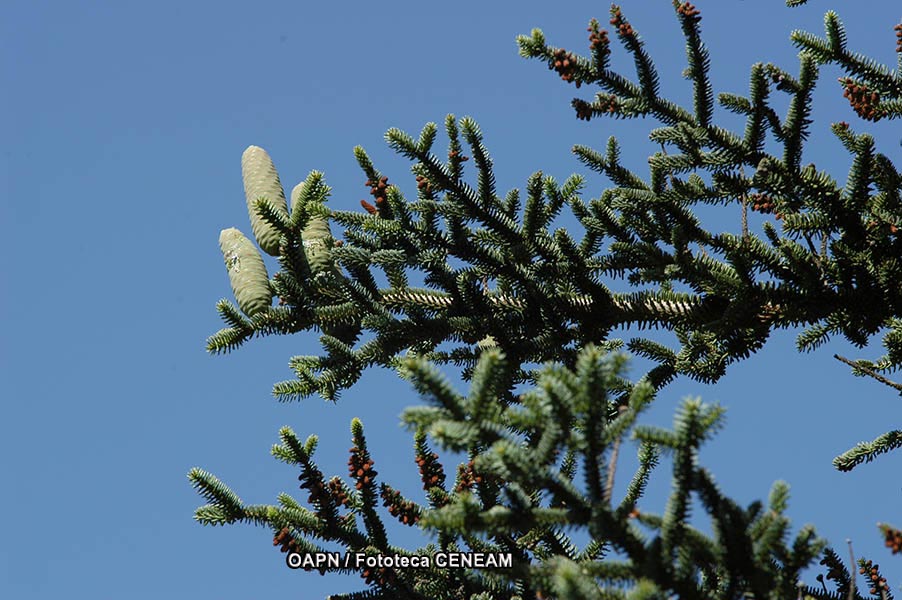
(857, 366)
(498, 291)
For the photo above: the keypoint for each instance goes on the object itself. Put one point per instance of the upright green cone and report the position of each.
(247, 273)
(318, 245)
(296, 196)
(316, 236)
(262, 181)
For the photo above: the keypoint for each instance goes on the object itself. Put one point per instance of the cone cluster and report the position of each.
(423, 184)
(312, 480)
(689, 11)
(865, 103)
(288, 544)
(598, 39)
(875, 581)
(338, 492)
(405, 511)
(431, 472)
(898, 30)
(457, 154)
(377, 189)
(467, 477)
(565, 65)
(622, 25)
(893, 538)
(584, 110)
(361, 468)
(762, 203)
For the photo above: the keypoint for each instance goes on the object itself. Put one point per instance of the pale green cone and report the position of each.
(296, 195)
(247, 273)
(317, 240)
(262, 181)
(299, 258)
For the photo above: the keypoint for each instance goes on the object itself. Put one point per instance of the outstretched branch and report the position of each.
(869, 372)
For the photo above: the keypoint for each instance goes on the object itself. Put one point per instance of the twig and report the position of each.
(814, 252)
(612, 466)
(664, 152)
(745, 210)
(823, 585)
(852, 571)
(869, 372)
(701, 248)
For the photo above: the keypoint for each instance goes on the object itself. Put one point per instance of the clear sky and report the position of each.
(124, 124)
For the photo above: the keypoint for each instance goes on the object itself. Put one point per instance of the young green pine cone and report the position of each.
(318, 245)
(262, 181)
(247, 273)
(296, 195)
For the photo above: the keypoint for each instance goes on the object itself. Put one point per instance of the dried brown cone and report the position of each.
(898, 30)
(368, 207)
(458, 155)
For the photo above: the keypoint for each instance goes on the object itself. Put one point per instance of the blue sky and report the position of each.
(124, 125)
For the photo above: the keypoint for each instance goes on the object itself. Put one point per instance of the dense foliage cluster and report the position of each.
(461, 276)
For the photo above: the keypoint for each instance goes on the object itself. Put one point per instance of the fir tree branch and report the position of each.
(857, 366)
(868, 451)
